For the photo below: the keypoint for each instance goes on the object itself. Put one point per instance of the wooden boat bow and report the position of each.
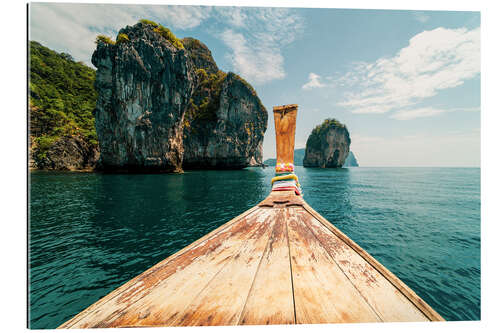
(279, 262)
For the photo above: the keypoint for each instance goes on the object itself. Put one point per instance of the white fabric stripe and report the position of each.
(281, 183)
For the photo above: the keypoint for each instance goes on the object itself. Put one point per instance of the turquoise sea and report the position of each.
(89, 232)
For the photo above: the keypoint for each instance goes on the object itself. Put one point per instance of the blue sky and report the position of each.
(406, 83)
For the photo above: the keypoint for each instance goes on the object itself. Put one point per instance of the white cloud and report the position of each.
(433, 61)
(234, 16)
(255, 36)
(182, 17)
(256, 64)
(421, 17)
(417, 113)
(426, 112)
(313, 82)
(72, 28)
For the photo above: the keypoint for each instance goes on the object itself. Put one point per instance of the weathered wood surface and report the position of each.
(285, 117)
(278, 263)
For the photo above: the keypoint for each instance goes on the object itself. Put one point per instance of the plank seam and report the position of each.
(340, 268)
(291, 272)
(204, 287)
(426, 309)
(73, 321)
(225, 265)
(256, 272)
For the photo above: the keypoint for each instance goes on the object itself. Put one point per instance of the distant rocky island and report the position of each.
(351, 160)
(298, 158)
(160, 104)
(328, 145)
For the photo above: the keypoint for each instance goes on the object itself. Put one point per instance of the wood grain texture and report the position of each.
(418, 302)
(279, 198)
(278, 263)
(221, 301)
(270, 300)
(323, 294)
(118, 304)
(389, 303)
(284, 124)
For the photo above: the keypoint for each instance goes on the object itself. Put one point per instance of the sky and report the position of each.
(405, 83)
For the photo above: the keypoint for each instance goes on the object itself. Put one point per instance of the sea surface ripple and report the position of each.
(89, 232)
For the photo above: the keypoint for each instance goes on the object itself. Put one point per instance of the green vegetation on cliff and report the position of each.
(165, 32)
(205, 101)
(158, 28)
(104, 39)
(169, 35)
(319, 132)
(206, 98)
(122, 38)
(61, 98)
(200, 55)
(145, 21)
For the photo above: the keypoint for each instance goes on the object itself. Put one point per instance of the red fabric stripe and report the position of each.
(288, 189)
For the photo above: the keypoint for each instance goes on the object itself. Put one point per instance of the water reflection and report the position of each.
(329, 190)
(89, 233)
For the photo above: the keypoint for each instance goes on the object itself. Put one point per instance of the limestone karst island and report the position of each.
(155, 104)
(199, 165)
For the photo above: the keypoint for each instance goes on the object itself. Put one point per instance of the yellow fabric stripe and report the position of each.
(291, 176)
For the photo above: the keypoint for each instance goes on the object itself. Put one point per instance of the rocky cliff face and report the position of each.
(232, 136)
(163, 103)
(67, 153)
(144, 85)
(327, 145)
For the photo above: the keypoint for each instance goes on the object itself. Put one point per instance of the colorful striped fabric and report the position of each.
(285, 179)
(284, 167)
(284, 183)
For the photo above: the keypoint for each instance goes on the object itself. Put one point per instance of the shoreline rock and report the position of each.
(233, 139)
(144, 85)
(68, 153)
(328, 145)
(162, 105)
(158, 111)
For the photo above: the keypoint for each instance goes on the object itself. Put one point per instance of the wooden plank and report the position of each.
(271, 297)
(322, 293)
(221, 301)
(278, 265)
(114, 310)
(287, 198)
(163, 305)
(386, 300)
(400, 285)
